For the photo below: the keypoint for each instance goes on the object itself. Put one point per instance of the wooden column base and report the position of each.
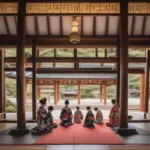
(126, 131)
(19, 132)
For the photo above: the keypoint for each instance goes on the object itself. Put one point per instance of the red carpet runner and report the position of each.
(77, 134)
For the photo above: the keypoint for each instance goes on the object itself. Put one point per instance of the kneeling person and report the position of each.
(89, 119)
(78, 116)
(66, 115)
(99, 116)
(41, 127)
(50, 123)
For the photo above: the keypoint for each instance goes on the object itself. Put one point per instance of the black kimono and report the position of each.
(89, 120)
(66, 116)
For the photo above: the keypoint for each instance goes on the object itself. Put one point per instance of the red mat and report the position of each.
(77, 134)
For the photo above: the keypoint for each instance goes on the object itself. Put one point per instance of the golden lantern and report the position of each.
(74, 35)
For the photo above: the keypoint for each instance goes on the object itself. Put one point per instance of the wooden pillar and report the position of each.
(2, 83)
(76, 64)
(123, 64)
(21, 121)
(142, 99)
(37, 55)
(101, 93)
(54, 64)
(96, 52)
(25, 91)
(38, 92)
(105, 53)
(55, 93)
(146, 91)
(79, 96)
(34, 86)
(105, 94)
(118, 73)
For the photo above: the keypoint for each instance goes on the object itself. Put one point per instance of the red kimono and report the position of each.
(114, 116)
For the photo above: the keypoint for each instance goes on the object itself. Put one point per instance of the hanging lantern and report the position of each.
(74, 35)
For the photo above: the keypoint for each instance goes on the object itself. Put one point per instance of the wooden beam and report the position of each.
(90, 41)
(142, 88)
(6, 25)
(61, 26)
(34, 81)
(133, 25)
(94, 25)
(81, 70)
(36, 25)
(107, 25)
(123, 64)
(21, 121)
(79, 59)
(48, 25)
(43, 1)
(2, 77)
(144, 25)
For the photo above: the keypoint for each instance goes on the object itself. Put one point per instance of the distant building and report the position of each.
(69, 94)
(96, 94)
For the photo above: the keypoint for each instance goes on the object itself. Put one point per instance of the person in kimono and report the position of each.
(66, 115)
(99, 116)
(78, 116)
(50, 124)
(89, 118)
(114, 115)
(41, 127)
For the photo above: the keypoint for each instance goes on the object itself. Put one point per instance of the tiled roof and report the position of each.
(66, 75)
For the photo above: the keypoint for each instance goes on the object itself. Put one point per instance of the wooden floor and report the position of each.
(76, 147)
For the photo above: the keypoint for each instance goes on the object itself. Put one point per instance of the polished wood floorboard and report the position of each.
(23, 147)
(130, 147)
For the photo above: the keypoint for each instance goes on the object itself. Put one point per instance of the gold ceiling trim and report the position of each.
(75, 8)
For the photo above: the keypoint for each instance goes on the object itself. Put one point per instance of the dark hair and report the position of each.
(66, 102)
(50, 108)
(77, 107)
(113, 101)
(88, 107)
(96, 109)
(44, 98)
(43, 101)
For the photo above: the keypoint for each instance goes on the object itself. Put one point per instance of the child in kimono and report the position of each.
(66, 115)
(99, 116)
(78, 116)
(50, 123)
(114, 115)
(89, 118)
(41, 127)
